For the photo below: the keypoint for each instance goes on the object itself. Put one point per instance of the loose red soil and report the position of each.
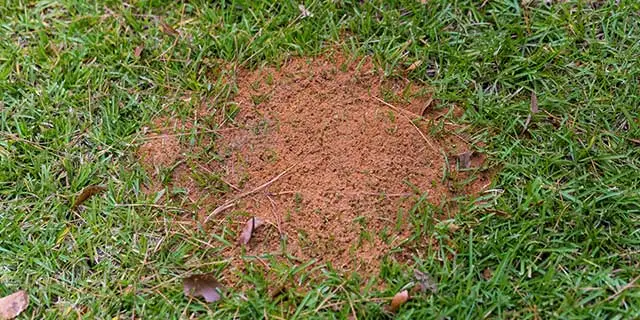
(356, 166)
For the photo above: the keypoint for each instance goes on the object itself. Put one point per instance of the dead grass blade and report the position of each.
(534, 103)
(534, 109)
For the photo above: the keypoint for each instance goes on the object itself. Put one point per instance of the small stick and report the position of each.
(636, 141)
(402, 112)
(399, 110)
(233, 201)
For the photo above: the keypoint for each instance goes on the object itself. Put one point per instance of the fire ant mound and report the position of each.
(334, 159)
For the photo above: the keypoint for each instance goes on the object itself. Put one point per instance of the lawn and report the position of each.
(556, 236)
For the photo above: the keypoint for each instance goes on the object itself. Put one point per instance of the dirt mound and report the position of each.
(344, 151)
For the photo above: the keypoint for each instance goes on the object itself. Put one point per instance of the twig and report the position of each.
(402, 112)
(399, 110)
(636, 141)
(233, 201)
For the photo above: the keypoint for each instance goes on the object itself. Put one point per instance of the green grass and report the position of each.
(561, 232)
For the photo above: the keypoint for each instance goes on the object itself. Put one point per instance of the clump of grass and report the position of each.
(258, 99)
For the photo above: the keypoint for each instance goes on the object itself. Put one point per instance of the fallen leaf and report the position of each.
(138, 51)
(465, 159)
(12, 305)
(304, 12)
(202, 285)
(249, 227)
(277, 290)
(414, 65)
(168, 29)
(487, 274)
(87, 193)
(425, 281)
(398, 300)
(426, 106)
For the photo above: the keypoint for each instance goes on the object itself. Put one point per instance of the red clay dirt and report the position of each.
(354, 165)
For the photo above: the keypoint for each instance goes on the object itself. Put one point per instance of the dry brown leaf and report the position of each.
(425, 281)
(12, 305)
(87, 193)
(465, 159)
(426, 106)
(414, 65)
(138, 51)
(398, 300)
(202, 285)
(168, 29)
(249, 227)
(277, 290)
(487, 274)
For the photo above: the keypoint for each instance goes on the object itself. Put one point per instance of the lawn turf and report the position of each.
(559, 233)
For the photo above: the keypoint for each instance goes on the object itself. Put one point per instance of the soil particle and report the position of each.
(360, 166)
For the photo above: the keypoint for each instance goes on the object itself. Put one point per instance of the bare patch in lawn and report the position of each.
(358, 155)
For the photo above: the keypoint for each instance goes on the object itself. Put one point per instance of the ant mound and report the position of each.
(335, 161)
